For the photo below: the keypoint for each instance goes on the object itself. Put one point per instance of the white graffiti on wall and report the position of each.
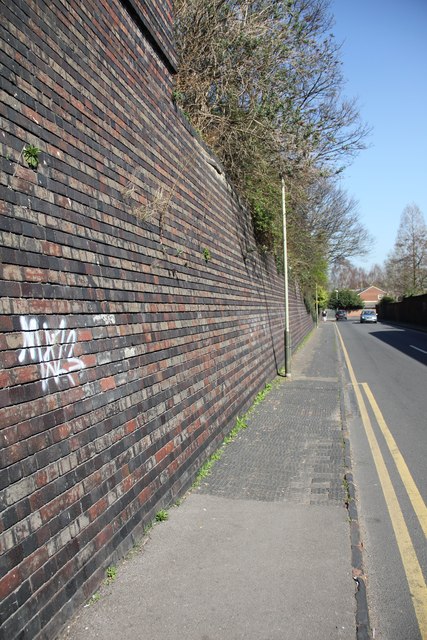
(51, 349)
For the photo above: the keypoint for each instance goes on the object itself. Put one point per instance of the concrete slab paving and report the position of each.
(232, 569)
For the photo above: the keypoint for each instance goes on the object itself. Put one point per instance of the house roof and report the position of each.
(372, 286)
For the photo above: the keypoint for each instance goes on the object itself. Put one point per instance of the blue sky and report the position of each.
(384, 55)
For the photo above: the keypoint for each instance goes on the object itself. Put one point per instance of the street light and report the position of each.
(285, 268)
(317, 308)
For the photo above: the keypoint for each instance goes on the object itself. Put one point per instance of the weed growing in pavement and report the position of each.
(241, 423)
(346, 486)
(93, 599)
(134, 551)
(111, 574)
(205, 469)
(162, 515)
(147, 528)
(262, 395)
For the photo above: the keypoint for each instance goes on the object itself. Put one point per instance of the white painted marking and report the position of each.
(417, 348)
(51, 349)
(105, 318)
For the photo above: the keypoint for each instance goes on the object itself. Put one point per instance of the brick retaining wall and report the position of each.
(137, 318)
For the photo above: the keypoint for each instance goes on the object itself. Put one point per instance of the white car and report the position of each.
(368, 315)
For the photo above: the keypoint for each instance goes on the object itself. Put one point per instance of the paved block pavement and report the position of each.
(261, 550)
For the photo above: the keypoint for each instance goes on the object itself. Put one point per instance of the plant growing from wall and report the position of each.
(206, 255)
(159, 205)
(31, 156)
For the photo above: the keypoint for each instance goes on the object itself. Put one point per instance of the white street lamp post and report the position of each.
(285, 268)
(317, 308)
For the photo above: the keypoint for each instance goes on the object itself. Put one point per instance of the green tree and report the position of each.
(345, 299)
(322, 298)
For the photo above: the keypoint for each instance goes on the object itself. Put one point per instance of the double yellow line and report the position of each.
(414, 574)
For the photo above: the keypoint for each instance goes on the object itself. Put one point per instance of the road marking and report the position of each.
(417, 348)
(414, 574)
(407, 479)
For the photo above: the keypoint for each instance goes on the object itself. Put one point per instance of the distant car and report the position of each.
(341, 315)
(368, 315)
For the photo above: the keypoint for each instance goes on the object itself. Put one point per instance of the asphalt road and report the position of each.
(388, 376)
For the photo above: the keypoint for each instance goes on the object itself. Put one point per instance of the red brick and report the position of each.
(36, 275)
(49, 511)
(41, 478)
(51, 248)
(97, 509)
(29, 373)
(38, 442)
(164, 451)
(31, 564)
(22, 185)
(8, 436)
(25, 430)
(107, 383)
(10, 582)
(16, 452)
(26, 174)
(6, 324)
(131, 426)
(61, 432)
(103, 537)
(5, 379)
(84, 335)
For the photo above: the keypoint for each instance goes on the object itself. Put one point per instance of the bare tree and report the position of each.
(261, 77)
(345, 275)
(330, 213)
(261, 81)
(377, 276)
(407, 264)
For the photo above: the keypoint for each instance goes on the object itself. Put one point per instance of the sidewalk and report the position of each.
(261, 550)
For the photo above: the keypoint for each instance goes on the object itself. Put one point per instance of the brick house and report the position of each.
(372, 296)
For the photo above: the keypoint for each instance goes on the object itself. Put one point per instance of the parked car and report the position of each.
(341, 315)
(368, 315)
